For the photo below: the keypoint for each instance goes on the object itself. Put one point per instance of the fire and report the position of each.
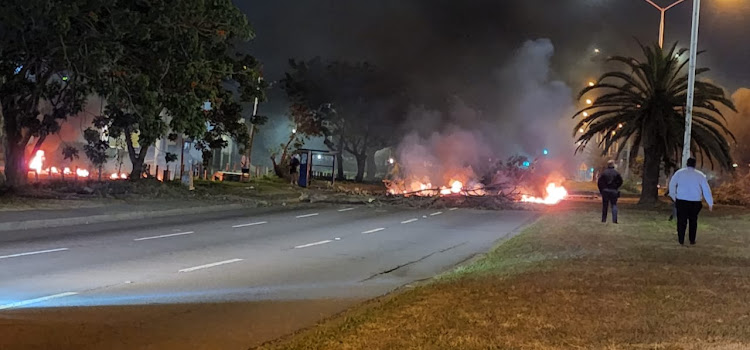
(114, 176)
(37, 162)
(67, 171)
(555, 194)
(82, 173)
(123, 176)
(54, 170)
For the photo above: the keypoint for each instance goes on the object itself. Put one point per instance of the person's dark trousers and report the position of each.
(687, 214)
(609, 198)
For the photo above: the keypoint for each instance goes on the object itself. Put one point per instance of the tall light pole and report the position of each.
(663, 11)
(691, 82)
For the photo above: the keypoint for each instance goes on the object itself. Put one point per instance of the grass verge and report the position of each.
(571, 282)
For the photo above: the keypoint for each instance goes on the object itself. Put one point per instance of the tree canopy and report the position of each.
(355, 107)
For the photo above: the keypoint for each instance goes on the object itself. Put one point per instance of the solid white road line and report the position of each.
(436, 214)
(373, 231)
(33, 253)
(313, 244)
(346, 209)
(35, 301)
(191, 269)
(164, 236)
(307, 215)
(409, 221)
(251, 224)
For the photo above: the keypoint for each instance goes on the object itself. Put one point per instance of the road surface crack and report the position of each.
(411, 262)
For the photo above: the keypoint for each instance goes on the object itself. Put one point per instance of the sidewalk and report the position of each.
(12, 220)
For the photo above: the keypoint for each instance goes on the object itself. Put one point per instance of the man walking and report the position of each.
(609, 184)
(687, 188)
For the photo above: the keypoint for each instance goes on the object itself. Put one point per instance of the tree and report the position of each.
(69, 153)
(47, 49)
(354, 106)
(95, 149)
(646, 105)
(169, 59)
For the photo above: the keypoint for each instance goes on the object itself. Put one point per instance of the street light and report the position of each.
(663, 11)
(691, 82)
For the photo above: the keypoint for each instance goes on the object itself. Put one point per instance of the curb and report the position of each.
(104, 218)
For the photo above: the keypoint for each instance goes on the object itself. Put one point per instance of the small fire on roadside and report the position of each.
(555, 194)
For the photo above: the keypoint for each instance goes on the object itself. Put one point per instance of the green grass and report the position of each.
(571, 282)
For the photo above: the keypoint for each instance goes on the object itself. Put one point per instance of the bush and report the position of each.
(734, 192)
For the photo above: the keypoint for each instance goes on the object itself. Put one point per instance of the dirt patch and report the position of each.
(164, 327)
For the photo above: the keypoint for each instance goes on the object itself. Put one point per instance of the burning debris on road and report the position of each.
(514, 181)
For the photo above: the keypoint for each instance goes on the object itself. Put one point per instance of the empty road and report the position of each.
(300, 256)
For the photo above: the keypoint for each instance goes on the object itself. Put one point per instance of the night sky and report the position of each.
(453, 44)
(456, 48)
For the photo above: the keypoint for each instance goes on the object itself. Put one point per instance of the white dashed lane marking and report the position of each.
(250, 224)
(409, 221)
(374, 230)
(313, 244)
(164, 236)
(33, 253)
(346, 209)
(307, 215)
(36, 301)
(191, 269)
(436, 214)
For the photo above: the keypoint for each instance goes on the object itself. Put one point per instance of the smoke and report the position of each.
(531, 113)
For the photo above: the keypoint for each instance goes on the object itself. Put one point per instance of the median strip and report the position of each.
(191, 269)
(33, 253)
(164, 236)
(313, 244)
(35, 301)
(250, 224)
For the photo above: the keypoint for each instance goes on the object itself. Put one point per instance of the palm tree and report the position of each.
(646, 106)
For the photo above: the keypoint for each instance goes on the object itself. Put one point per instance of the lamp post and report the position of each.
(663, 11)
(691, 82)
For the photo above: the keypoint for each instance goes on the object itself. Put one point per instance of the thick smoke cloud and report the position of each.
(532, 113)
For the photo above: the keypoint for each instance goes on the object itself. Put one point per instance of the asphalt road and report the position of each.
(309, 253)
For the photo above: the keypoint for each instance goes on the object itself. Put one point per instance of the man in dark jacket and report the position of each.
(609, 184)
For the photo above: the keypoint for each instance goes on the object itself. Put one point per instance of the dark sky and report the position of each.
(454, 45)
(446, 48)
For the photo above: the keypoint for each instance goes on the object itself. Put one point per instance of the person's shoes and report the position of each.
(680, 242)
(614, 222)
(692, 243)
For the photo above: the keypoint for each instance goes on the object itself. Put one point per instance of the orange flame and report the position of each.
(555, 194)
(82, 173)
(67, 171)
(36, 163)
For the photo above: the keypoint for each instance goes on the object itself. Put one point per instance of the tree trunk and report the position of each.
(340, 160)
(372, 167)
(16, 169)
(138, 159)
(361, 163)
(651, 166)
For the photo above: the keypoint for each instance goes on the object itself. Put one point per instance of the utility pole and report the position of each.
(691, 82)
(251, 131)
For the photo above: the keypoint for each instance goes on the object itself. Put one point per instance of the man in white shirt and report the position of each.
(688, 188)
